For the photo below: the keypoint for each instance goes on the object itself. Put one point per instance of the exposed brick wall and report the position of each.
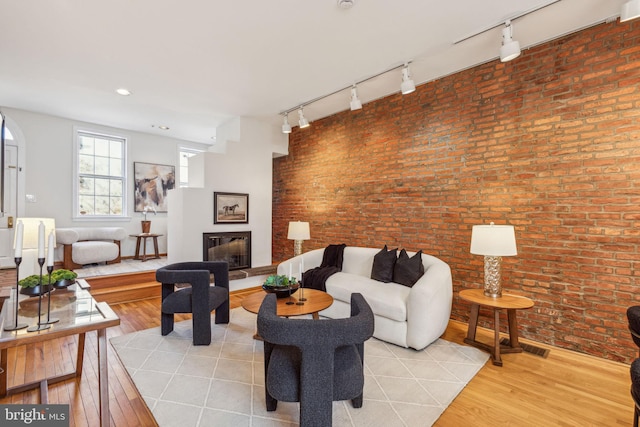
(548, 142)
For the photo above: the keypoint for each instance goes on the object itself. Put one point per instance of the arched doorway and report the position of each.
(13, 181)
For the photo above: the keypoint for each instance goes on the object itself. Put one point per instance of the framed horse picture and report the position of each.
(230, 208)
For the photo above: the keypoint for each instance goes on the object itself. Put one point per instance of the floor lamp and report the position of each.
(298, 231)
(494, 242)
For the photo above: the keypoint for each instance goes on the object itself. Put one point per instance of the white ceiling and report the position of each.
(194, 64)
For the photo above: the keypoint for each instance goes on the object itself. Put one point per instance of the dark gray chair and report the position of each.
(633, 316)
(199, 299)
(635, 390)
(314, 362)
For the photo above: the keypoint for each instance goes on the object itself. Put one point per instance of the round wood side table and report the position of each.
(508, 302)
(316, 301)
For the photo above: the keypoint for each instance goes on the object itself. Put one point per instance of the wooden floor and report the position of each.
(564, 389)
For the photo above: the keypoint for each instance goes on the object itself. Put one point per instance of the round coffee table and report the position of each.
(316, 301)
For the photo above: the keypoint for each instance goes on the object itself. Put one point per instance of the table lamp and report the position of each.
(298, 231)
(494, 242)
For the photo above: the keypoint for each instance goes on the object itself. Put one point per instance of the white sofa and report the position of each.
(406, 316)
(89, 245)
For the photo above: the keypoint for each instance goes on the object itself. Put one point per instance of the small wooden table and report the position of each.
(509, 302)
(316, 301)
(78, 313)
(143, 237)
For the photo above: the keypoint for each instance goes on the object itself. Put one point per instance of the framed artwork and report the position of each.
(230, 208)
(151, 183)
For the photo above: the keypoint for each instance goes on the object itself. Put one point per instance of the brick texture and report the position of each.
(548, 143)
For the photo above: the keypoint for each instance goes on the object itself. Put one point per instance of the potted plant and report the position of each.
(281, 285)
(62, 278)
(146, 225)
(31, 285)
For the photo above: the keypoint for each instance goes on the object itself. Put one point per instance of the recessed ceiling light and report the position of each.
(122, 91)
(346, 4)
(163, 127)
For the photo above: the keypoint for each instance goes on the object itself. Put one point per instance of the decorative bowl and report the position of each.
(281, 291)
(60, 284)
(34, 291)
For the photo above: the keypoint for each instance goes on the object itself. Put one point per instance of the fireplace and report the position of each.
(233, 247)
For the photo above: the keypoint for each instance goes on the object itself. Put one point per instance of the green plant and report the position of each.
(30, 281)
(62, 274)
(279, 281)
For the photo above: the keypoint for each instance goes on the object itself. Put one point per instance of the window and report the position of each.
(100, 172)
(184, 154)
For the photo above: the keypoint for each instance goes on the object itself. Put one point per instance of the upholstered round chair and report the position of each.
(200, 298)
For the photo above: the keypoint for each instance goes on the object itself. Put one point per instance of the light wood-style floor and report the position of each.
(565, 389)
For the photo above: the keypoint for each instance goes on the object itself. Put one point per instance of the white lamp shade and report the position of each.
(298, 230)
(493, 240)
(630, 10)
(30, 239)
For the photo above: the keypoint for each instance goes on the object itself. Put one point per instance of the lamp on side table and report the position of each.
(298, 231)
(494, 242)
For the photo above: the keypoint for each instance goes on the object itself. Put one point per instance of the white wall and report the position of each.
(48, 170)
(241, 163)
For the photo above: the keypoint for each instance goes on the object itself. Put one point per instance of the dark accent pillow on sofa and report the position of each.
(383, 264)
(407, 270)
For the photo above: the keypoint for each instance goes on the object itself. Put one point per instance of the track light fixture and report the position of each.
(407, 85)
(286, 127)
(302, 122)
(510, 48)
(630, 10)
(356, 104)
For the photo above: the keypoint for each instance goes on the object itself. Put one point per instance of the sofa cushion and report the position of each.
(94, 251)
(383, 263)
(386, 299)
(408, 270)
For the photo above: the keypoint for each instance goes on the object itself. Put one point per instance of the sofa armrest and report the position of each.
(66, 236)
(429, 305)
(312, 259)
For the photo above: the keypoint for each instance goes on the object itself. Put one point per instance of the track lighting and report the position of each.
(286, 127)
(630, 10)
(356, 104)
(304, 123)
(407, 85)
(510, 49)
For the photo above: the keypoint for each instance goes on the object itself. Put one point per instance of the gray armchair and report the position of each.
(314, 362)
(200, 298)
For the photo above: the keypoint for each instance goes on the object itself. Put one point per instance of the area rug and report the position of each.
(223, 384)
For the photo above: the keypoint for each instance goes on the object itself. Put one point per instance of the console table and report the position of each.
(78, 313)
(509, 302)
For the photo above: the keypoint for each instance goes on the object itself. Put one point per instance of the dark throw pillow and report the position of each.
(407, 270)
(383, 264)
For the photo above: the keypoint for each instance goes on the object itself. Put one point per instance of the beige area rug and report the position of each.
(223, 384)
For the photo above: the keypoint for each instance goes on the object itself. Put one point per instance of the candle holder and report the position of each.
(41, 326)
(16, 326)
(50, 319)
(302, 299)
(290, 302)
